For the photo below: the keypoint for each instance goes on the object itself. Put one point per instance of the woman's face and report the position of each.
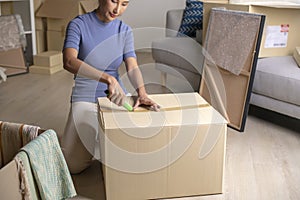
(111, 9)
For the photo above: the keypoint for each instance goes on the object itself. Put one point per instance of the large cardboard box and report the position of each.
(282, 27)
(179, 151)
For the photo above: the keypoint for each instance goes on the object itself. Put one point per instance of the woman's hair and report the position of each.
(101, 3)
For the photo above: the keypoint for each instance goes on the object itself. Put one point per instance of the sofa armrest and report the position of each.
(173, 21)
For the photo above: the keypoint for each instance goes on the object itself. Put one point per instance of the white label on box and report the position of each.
(277, 36)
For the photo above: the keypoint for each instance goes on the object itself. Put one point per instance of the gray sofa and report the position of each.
(276, 84)
(178, 56)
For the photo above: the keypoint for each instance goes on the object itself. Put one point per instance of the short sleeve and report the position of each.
(73, 35)
(129, 50)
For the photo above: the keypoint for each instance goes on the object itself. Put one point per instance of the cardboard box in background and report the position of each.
(276, 41)
(37, 4)
(6, 8)
(41, 34)
(48, 58)
(55, 40)
(185, 140)
(41, 41)
(282, 28)
(57, 18)
(13, 61)
(48, 62)
(45, 70)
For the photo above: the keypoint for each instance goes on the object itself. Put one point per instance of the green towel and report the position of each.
(49, 167)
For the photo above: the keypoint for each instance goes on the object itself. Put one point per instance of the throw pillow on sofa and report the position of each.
(191, 19)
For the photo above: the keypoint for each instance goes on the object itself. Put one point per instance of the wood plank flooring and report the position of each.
(263, 163)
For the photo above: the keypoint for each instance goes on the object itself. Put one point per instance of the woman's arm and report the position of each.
(136, 79)
(77, 66)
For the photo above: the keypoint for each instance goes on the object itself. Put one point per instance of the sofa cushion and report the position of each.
(278, 78)
(191, 19)
(181, 52)
(296, 55)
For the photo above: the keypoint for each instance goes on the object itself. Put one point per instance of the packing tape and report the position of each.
(161, 109)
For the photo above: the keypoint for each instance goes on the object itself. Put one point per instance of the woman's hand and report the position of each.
(145, 100)
(116, 93)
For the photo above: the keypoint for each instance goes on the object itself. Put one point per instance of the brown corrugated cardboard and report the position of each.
(57, 18)
(40, 23)
(55, 11)
(48, 58)
(13, 60)
(45, 70)
(280, 36)
(40, 41)
(6, 8)
(296, 55)
(9, 182)
(37, 4)
(55, 40)
(178, 151)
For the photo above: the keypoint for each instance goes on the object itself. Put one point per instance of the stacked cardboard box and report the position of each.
(6, 8)
(57, 18)
(48, 62)
(40, 32)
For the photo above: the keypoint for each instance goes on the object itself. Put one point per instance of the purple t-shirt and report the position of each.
(102, 45)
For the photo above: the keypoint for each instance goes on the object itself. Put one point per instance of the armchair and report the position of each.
(178, 56)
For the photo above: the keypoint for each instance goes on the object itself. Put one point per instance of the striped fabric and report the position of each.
(49, 167)
(191, 19)
(13, 136)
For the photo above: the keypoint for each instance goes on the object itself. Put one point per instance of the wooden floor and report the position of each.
(263, 163)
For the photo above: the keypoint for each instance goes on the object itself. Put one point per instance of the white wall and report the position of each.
(148, 18)
(149, 13)
(152, 13)
(143, 14)
(268, 1)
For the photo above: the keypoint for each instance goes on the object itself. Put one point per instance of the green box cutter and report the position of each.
(125, 105)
